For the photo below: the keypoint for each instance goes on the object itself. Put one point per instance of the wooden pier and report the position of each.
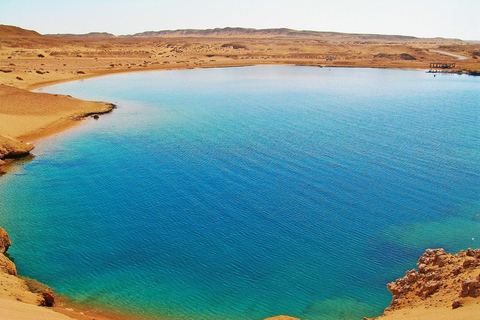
(442, 65)
(437, 67)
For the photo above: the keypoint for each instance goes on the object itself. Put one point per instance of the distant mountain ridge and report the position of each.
(238, 32)
(12, 31)
(91, 35)
(229, 31)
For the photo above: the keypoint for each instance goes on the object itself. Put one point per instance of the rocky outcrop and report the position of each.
(48, 298)
(11, 148)
(471, 287)
(7, 266)
(5, 242)
(442, 280)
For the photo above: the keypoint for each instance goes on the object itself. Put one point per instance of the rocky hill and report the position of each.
(15, 32)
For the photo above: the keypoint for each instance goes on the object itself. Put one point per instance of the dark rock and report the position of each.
(49, 297)
(406, 56)
(455, 304)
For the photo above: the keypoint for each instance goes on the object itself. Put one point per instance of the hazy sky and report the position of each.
(422, 18)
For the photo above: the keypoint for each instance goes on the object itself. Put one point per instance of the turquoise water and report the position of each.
(249, 192)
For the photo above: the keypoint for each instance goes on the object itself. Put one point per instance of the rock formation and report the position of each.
(6, 265)
(471, 287)
(5, 242)
(442, 281)
(11, 148)
(49, 298)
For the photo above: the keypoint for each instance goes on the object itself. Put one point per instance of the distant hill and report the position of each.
(281, 32)
(11, 32)
(91, 35)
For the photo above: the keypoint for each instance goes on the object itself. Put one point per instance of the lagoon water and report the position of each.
(249, 192)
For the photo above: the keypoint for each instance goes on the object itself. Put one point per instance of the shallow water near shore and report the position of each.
(250, 192)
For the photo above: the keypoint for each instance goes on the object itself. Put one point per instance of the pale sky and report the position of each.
(421, 18)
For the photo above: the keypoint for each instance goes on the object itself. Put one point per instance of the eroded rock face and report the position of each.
(440, 280)
(5, 242)
(471, 287)
(10, 148)
(49, 298)
(6, 265)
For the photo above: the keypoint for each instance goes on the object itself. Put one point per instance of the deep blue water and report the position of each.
(249, 192)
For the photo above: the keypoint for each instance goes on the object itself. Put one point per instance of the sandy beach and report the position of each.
(29, 60)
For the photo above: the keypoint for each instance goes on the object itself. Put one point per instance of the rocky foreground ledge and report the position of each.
(442, 280)
(17, 301)
(445, 286)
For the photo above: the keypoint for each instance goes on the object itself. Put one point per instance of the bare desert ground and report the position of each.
(29, 60)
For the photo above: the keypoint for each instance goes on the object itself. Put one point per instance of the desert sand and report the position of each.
(17, 310)
(26, 116)
(29, 60)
